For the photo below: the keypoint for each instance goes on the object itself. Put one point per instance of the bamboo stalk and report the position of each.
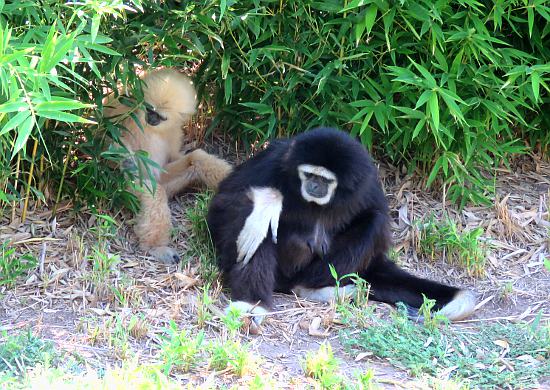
(69, 151)
(17, 165)
(29, 181)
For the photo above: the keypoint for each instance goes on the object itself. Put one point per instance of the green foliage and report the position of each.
(179, 350)
(447, 86)
(13, 266)
(56, 59)
(233, 320)
(24, 350)
(432, 320)
(203, 302)
(199, 243)
(493, 355)
(231, 354)
(182, 351)
(323, 366)
(130, 376)
(443, 238)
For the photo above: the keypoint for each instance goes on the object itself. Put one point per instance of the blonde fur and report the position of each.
(173, 96)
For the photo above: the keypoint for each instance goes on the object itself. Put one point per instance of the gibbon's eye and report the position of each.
(308, 175)
(153, 118)
(326, 180)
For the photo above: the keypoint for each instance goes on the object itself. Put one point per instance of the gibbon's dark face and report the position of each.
(152, 117)
(326, 165)
(318, 184)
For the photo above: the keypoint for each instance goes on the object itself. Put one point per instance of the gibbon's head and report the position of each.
(327, 165)
(169, 101)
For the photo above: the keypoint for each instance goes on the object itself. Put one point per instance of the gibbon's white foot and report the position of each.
(248, 308)
(268, 203)
(324, 294)
(462, 305)
(165, 254)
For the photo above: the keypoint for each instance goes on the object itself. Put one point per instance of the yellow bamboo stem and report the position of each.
(29, 181)
(57, 198)
(17, 164)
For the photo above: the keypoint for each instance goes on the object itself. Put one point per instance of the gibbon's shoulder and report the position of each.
(262, 170)
(168, 89)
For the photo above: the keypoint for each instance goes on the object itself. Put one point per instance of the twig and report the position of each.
(42, 258)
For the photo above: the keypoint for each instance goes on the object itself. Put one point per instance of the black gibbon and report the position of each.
(279, 219)
(171, 101)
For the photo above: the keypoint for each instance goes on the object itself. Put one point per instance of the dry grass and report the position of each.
(60, 302)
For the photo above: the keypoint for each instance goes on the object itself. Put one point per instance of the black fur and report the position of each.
(354, 234)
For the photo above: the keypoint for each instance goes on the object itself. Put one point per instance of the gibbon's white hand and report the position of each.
(267, 206)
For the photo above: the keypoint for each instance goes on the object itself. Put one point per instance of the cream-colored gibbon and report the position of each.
(156, 127)
(280, 219)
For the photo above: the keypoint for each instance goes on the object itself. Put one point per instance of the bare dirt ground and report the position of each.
(58, 303)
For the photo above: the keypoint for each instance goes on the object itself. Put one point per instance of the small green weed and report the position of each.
(361, 295)
(179, 350)
(116, 332)
(260, 382)
(355, 307)
(205, 300)
(365, 381)
(200, 248)
(323, 366)
(432, 321)
(13, 266)
(103, 266)
(444, 239)
(234, 355)
(233, 321)
(492, 355)
(125, 292)
(130, 376)
(19, 352)
(103, 262)
(105, 227)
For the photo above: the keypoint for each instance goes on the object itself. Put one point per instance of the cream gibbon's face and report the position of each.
(318, 184)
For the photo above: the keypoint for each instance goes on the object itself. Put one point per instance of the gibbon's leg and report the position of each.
(366, 239)
(178, 175)
(210, 170)
(153, 225)
(252, 285)
(391, 284)
(325, 294)
(192, 168)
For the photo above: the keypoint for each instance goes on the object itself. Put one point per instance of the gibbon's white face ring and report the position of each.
(317, 170)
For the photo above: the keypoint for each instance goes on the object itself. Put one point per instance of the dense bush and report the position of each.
(447, 87)
(54, 63)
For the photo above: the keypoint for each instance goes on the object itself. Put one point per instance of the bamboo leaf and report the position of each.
(370, 17)
(23, 133)
(535, 83)
(15, 121)
(433, 107)
(96, 21)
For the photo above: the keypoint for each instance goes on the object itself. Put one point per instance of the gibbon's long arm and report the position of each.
(350, 250)
(267, 207)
